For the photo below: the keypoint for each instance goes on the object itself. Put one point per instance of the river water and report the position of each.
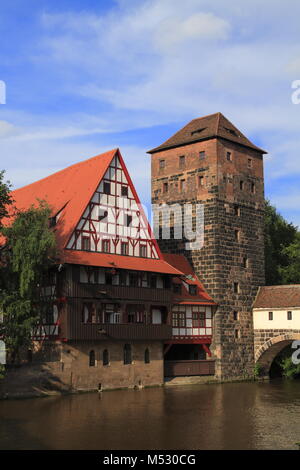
(229, 416)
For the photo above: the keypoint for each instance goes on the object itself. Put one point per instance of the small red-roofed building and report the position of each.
(188, 351)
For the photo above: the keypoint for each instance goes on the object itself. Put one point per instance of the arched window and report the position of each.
(127, 354)
(29, 355)
(105, 357)
(92, 361)
(2, 353)
(147, 356)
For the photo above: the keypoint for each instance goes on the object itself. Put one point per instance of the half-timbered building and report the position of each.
(115, 306)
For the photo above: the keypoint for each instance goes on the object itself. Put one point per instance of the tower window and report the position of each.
(235, 315)
(124, 191)
(237, 334)
(201, 180)
(270, 315)
(181, 161)
(237, 235)
(229, 156)
(106, 187)
(249, 162)
(182, 185)
(162, 164)
(165, 186)
(289, 316)
(237, 211)
(241, 185)
(236, 287)
(252, 187)
(245, 262)
(202, 155)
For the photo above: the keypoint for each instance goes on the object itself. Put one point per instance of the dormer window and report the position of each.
(231, 131)
(192, 289)
(198, 131)
(177, 288)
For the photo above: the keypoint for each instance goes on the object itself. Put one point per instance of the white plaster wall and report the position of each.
(261, 319)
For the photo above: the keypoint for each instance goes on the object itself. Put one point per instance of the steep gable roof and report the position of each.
(68, 192)
(286, 296)
(204, 128)
(182, 264)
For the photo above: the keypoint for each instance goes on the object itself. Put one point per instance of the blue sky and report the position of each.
(86, 76)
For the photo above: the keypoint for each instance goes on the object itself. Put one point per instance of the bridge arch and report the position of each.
(266, 353)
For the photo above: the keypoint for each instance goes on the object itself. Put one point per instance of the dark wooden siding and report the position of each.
(181, 368)
(119, 331)
(107, 292)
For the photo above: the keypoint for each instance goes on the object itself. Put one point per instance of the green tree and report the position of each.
(30, 252)
(5, 197)
(279, 236)
(290, 274)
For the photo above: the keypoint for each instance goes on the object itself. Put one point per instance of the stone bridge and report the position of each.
(269, 343)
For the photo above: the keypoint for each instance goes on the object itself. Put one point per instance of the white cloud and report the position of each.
(148, 62)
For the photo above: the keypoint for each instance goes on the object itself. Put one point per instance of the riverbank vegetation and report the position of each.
(28, 251)
(282, 249)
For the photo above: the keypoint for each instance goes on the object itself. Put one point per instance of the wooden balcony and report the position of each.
(118, 331)
(102, 292)
(192, 367)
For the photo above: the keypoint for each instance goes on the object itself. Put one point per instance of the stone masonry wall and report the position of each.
(65, 367)
(233, 252)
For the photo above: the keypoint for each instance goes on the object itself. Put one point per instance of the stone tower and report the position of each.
(210, 161)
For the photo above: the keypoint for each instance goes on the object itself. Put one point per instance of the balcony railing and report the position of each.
(192, 367)
(81, 290)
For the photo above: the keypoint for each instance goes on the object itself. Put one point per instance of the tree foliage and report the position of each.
(5, 197)
(282, 249)
(29, 252)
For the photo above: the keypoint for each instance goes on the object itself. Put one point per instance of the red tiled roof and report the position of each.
(182, 264)
(117, 261)
(286, 296)
(204, 128)
(68, 192)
